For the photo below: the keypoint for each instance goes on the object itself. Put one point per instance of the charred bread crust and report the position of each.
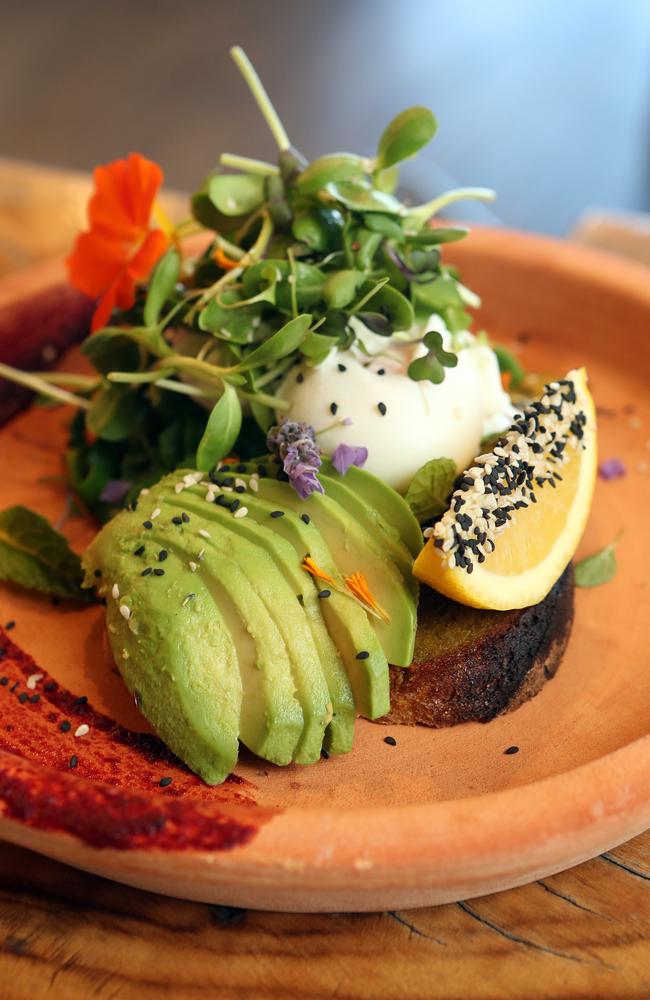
(471, 665)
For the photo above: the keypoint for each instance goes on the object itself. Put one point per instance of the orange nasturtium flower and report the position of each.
(121, 246)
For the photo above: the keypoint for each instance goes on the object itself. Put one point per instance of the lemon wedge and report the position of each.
(518, 513)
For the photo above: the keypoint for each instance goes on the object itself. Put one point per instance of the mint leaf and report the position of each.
(430, 487)
(36, 556)
(597, 568)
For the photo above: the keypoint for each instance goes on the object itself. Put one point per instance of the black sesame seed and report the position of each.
(234, 505)
(229, 481)
(162, 555)
(277, 513)
(185, 518)
(242, 467)
(98, 573)
(306, 518)
(147, 524)
(341, 367)
(35, 698)
(50, 686)
(261, 471)
(158, 572)
(511, 750)
(392, 742)
(4, 681)
(65, 727)
(222, 500)
(363, 655)
(381, 371)
(177, 520)
(325, 593)
(382, 408)
(164, 782)
(301, 599)
(74, 760)
(14, 687)
(333, 408)
(240, 489)
(139, 551)
(146, 572)
(81, 700)
(9, 626)
(300, 378)
(324, 754)
(22, 698)
(3, 652)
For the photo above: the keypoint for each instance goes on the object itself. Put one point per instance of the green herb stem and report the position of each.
(417, 216)
(40, 385)
(274, 402)
(261, 97)
(248, 164)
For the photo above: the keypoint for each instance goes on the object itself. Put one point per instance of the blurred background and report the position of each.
(547, 102)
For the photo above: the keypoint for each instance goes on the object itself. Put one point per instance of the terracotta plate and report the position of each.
(440, 816)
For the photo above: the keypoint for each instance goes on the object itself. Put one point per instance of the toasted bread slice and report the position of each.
(471, 665)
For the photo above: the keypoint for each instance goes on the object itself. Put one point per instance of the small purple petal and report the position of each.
(611, 468)
(347, 455)
(115, 490)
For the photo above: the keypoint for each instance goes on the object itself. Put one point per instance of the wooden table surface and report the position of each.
(63, 933)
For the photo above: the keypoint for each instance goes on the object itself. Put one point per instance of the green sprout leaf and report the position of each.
(221, 431)
(112, 412)
(429, 490)
(405, 136)
(341, 287)
(392, 304)
(598, 568)
(329, 170)
(236, 194)
(37, 557)
(162, 285)
(286, 340)
(431, 367)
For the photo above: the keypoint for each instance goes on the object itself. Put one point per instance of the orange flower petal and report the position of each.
(310, 566)
(358, 586)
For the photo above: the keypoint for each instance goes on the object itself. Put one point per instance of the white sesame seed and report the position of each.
(201, 554)
(209, 496)
(226, 489)
(428, 532)
(155, 513)
(241, 512)
(254, 485)
(179, 487)
(33, 680)
(203, 533)
(115, 592)
(82, 730)
(193, 566)
(144, 492)
(125, 611)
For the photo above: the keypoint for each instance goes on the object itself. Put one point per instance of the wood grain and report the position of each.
(582, 934)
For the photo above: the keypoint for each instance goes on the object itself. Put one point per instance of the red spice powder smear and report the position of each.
(104, 787)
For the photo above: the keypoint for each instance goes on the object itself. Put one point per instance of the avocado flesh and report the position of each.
(384, 499)
(266, 579)
(354, 549)
(190, 690)
(339, 734)
(369, 518)
(347, 622)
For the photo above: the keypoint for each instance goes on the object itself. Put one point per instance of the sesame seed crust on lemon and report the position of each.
(517, 515)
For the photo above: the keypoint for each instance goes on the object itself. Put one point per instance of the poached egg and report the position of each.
(364, 397)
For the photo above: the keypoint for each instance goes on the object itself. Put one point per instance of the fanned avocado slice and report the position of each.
(384, 499)
(339, 734)
(347, 622)
(189, 690)
(266, 579)
(354, 549)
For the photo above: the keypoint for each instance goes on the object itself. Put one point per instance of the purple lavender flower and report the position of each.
(611, 468)
(346, 455)
(295, 443)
